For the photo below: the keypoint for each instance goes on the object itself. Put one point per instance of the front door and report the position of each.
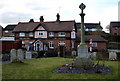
(62, 51)
(38, 47)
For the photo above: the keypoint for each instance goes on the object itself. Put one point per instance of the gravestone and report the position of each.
(74, 53)
(93, 55)
(112, 56)
(13, 55)
(20, 55)
(28, 55)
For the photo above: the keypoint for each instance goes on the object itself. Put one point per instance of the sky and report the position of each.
(14, 11)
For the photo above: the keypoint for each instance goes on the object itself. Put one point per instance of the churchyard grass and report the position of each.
(42, 69)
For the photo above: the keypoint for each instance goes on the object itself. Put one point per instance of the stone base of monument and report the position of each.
(82, 51)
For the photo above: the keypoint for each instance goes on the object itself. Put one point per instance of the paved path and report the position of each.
(4, 62)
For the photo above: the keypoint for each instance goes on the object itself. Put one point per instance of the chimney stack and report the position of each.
(58, 17)
(31, 20)
(41, 19)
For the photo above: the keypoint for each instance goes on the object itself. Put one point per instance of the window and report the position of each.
(73, 34)
(22, 34)
(61, 43)
(6, 31)
(51, 45)
(40, 33)
(12, 34)
(31, 34)
(61, 33)
(23, 44)
(51, 34)
(72, 44)
(94, 44)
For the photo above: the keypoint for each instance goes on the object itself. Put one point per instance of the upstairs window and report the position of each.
(22, 34)
(51, 34)
(6, 31)
(31, 34)
(61, 34)
(40, 33)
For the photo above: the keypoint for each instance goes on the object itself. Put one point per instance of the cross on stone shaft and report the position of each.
(82, 7)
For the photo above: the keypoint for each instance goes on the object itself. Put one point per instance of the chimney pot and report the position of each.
(31, 20)
(41, 19)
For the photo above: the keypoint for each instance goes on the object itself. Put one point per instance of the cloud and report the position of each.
(13, 11)
(12, 17)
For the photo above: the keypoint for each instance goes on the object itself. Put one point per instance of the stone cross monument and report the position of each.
(82, 47)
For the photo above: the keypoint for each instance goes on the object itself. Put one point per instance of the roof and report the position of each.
(60, 26)
(10, 27)
(115, 24)
(95, 38)
(25, 27)
(89, 25)
(49, 26)
(1, 26)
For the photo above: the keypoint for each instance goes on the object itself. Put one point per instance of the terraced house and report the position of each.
(53, 35)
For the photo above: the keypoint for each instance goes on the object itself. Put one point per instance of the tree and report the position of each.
(108, 28)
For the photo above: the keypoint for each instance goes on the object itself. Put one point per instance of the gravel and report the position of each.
(98, 69)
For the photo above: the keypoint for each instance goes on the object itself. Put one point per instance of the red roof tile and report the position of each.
(49, 26)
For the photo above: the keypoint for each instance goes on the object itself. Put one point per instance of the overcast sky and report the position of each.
(14, 11)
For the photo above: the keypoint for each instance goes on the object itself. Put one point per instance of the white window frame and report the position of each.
(94, 44)
(51, 44)
(61, 43)
(6, 31)
(73, 44)
(73, 34)
(31, 34)
(23, 44)
(61, 34)
(22, 34)
(40, 33)
(51, 34)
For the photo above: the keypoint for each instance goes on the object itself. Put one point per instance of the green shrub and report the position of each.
(34, 54)
(51, 53)
(5, 57)
(85, 63)
(5, 51)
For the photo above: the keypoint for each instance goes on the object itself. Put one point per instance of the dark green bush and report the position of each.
(5, 57)
(34, 54)
(85, 63)
(51, 53)
(5, 51)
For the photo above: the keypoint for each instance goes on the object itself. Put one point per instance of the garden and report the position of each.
(42, 68)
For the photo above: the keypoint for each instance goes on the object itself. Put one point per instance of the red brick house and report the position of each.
(115, 28)
(93, 31)
(7, 31)
(98, 43)
(53, 35)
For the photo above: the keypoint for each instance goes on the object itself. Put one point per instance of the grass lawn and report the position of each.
(42, 69)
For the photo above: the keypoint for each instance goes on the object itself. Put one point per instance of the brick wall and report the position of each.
(115, 31)
(100, 45)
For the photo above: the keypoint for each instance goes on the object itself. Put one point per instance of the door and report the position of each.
(62, 51)
(38, 47)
